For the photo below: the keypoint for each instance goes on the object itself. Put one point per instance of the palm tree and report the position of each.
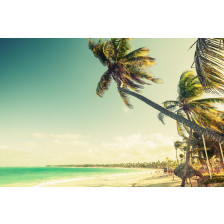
(218, 125)
(190, 105)
(202, 150)
(124, 67)
(208, 154)
(177, 145)
(209, 63)
(181, 157)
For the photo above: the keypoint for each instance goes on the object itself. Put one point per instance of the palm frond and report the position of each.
(97, 49)
(210, 119)
(125, 99)
(124, 47)
(194, 106)
(210, 100)
(209, 63)
(143, 51)
(180, 129)
(141, 61)
(129, 83)
(170, 104)
(138, 79)
(189, 86)
(91, 44)
(115, 43)
(104, 83)
(187, 129)
(142, 73)
(108, 50)
(161, 117)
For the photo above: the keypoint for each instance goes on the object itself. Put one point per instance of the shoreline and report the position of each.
(51, 180)
(137, 177)
(111, 180)
(154, 178)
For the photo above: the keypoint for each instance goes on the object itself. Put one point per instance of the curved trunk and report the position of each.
(208, 164)
(192, 125)
(187, 159)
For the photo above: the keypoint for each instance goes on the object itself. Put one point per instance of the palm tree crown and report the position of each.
(191, 105)
(126, 67)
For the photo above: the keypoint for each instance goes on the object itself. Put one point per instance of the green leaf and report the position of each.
(104, 83)
(125, 99)
(209, 63)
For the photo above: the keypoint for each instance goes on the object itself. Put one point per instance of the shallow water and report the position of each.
(31, 176)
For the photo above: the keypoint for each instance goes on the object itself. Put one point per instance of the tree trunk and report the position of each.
(177, 157)
(208, 164)
(187, 159)
(192, 125)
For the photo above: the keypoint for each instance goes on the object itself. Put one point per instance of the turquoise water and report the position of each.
(30, 176)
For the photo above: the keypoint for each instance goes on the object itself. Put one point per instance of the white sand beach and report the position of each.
(146, 178)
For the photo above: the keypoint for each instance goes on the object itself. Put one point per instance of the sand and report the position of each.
(142, 179)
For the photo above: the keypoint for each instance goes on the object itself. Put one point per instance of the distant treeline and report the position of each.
(158, 165)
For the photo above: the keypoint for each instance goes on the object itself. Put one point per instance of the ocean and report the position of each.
(40, 176)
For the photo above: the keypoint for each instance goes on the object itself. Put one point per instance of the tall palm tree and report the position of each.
(209, 63)
(191, 105)
(126, 67)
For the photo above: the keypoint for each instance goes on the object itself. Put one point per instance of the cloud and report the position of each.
(5, 147)
(31, 143)
(61, 140)
(66, 136)
(70, 142)
(70, 148)
(38, 135)
(137, 140)
(56, 136)
(134, 148)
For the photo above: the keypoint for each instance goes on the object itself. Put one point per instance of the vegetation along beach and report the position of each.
(160, 122)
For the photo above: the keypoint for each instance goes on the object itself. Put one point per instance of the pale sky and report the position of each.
(50, 113)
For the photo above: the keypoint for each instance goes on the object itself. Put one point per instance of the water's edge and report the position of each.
(89, 178)
(42, 176)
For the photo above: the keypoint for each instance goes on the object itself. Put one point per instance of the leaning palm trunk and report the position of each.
(208, 164)
(192, 125)
(187, 159)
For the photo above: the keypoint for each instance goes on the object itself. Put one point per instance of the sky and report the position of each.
(50, 113)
